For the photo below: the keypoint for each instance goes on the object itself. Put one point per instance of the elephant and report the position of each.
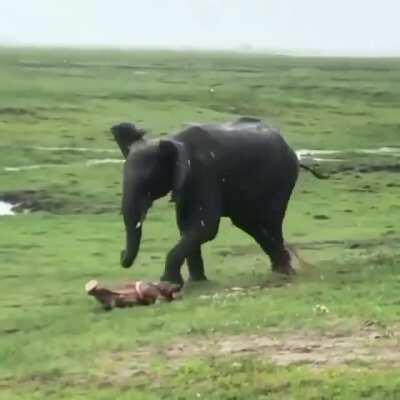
(243, 170)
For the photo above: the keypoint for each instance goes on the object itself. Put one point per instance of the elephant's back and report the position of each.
(253, 167)
(238, 145)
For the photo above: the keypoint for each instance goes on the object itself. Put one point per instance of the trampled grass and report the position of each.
(57, 343)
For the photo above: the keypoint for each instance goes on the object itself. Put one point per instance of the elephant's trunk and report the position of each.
(134, 211)
(133, 236)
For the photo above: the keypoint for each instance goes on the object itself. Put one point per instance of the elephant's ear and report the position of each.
(175, 153)
(125, 134)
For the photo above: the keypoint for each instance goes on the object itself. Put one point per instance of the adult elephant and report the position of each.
(243, 170)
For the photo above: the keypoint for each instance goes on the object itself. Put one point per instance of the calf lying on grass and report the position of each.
(132, 293)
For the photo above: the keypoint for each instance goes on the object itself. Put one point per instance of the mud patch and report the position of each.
(22, 201)
(365, 168)
(29, 201)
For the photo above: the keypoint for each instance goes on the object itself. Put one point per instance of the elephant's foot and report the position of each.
(285, 269)
(124, 260)
(281, 263)
(177, 279)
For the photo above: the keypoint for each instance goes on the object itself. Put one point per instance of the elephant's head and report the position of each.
(152, 169)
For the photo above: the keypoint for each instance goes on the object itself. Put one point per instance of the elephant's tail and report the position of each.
(315, 173)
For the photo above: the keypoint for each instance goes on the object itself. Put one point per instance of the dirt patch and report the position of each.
(367, 345)
(302, 349)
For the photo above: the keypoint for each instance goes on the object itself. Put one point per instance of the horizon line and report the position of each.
(241, 49)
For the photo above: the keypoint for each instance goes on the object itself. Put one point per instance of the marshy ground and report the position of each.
(329, 332)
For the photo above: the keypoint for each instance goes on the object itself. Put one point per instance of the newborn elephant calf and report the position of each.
(133, 293)
(243, 170)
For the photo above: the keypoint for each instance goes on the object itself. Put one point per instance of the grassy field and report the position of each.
(331, 332)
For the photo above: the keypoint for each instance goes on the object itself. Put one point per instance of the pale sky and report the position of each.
(328, 27)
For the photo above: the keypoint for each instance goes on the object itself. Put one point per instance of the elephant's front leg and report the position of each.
(196, 265)
(198, 221)
(175, 259)
(188, 245)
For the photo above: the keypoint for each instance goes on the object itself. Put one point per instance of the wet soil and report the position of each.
(31, 200)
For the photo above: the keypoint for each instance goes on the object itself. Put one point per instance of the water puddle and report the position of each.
(105, 161)
(391, 151)
(6, 208)
(77, 149)
(317, 155)
(26, 168)
(88, 163)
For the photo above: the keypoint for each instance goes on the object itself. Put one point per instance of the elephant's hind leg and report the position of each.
(271, 241)
(271, 236)
(273, 244)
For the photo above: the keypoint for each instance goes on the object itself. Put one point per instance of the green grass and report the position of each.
(57, 343)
